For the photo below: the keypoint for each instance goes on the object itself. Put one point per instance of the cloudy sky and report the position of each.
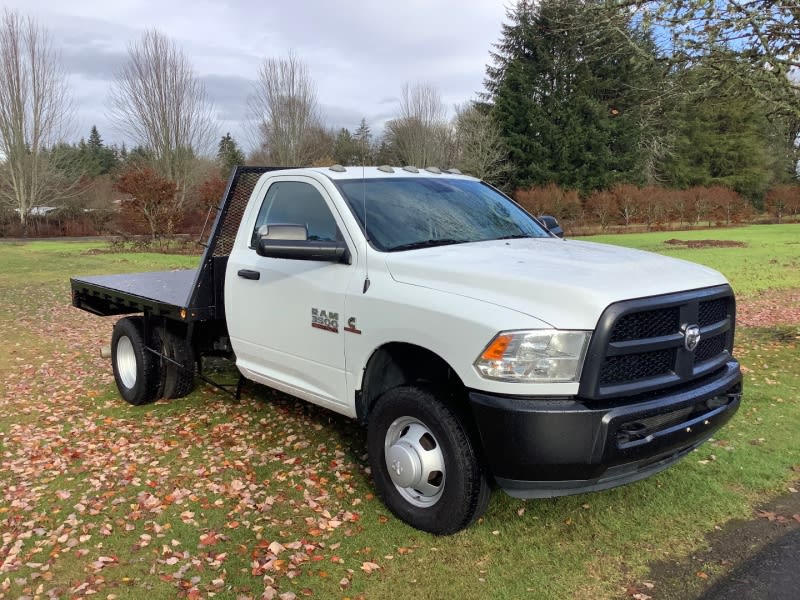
(359, 53)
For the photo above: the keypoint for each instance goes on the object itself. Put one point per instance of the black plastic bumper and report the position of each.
(543, 447)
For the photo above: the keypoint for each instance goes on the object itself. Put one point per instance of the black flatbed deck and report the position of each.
(185, 295)
(163, 293)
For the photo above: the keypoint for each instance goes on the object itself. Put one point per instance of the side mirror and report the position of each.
(551, 223)
(291, 242)
(283, 232)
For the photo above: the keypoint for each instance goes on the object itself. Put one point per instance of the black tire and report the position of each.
(136, 369)
(176, 381)
(421, 433)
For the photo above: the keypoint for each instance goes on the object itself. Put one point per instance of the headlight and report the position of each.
(539, 356)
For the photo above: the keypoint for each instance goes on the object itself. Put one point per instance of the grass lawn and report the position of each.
(769, 258)
(271, 497)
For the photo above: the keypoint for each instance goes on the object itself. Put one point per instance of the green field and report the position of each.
(769, 258)
(205, 496)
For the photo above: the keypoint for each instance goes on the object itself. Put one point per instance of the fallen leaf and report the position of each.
(209, 539)
(275, 548)
(369, 567)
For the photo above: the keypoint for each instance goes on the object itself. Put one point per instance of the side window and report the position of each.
(296, 203)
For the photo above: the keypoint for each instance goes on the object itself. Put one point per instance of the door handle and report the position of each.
(249, 274)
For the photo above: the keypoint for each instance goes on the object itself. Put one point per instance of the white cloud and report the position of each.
(359, 53)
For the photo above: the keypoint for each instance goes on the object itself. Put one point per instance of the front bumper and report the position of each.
(543, 447)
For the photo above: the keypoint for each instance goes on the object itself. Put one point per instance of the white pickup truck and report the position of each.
(478, 349)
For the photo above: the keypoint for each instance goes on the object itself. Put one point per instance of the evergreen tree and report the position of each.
(345, 148)
(723, 135)
(68, 159)
(229, 154)
(95, 141)
(567, 93)
(362, 138)
(96, 158)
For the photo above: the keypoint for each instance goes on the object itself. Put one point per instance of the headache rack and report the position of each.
(187, 295)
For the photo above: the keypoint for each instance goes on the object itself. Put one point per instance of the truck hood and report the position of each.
(564, 283)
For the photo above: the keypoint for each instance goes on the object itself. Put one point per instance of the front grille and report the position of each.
(709, 348)
(630, 367)
(640, 345)
(713, 311)
(645, 324)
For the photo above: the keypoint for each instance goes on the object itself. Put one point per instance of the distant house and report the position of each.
(40, 211)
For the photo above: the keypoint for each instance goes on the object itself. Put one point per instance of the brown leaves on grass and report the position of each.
(191, 492)
(368, 567)
(775, 307)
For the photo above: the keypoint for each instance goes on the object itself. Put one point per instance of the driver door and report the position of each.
(285, 316)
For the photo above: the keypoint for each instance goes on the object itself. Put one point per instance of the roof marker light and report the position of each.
(411, 169)
(453, 171)
(386, 169)
(337, 168)
(435, 170)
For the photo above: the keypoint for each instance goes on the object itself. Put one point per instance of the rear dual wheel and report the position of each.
(137, 371)
(177, 380)
(141, 375)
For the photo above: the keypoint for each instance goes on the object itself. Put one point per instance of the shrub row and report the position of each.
(623, 207)
(653, 207)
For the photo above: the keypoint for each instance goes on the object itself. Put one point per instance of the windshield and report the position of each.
(404, 213)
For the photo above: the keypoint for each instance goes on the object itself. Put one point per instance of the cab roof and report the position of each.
(337, 172)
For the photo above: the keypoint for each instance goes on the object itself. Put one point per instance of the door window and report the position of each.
(296, 203)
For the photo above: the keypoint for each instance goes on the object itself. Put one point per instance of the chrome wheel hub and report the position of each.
(414, 461)
(126, 362)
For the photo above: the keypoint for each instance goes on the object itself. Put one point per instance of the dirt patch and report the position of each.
(728, 547)
(706, 243)
(769, 309)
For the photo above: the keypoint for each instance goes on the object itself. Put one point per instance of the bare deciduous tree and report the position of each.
(421, 135)
(284, 107)
(159, 101)
(34, 111)
(480, 147)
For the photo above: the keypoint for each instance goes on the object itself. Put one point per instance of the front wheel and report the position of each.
(424, 462)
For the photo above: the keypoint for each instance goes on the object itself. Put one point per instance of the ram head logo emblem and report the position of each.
(691, 337)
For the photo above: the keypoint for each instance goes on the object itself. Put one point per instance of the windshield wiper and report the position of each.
(514, 236)
(426, 244)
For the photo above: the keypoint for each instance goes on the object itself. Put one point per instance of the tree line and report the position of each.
(605, 112)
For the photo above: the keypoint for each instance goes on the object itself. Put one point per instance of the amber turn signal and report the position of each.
(497, 348)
